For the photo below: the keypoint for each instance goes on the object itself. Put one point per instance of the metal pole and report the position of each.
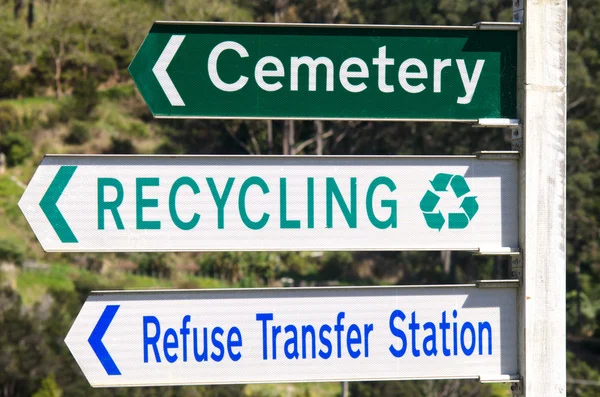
(345, 392)
(542, 110)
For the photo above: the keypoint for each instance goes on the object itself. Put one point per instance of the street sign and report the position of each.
(309, 71)
(249, 203)
(150, 338)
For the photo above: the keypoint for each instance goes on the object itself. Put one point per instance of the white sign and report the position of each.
(246, 203)
(297, 335)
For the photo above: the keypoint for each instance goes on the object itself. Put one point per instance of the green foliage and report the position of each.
(337, 265)
(16, 147)
(86, 98)
(154, 264)
(583, 378)
(9, 119)
(49, 388)
(79, 133)
(11, 252)
(120, 146)
(22, 356)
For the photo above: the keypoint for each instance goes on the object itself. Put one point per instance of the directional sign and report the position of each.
(216, 70)
(297, 335)
(244, 203)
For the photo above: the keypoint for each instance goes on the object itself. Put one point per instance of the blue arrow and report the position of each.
(48, 204)
(95, 340)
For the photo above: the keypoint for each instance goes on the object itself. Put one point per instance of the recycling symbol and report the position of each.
(456, 220)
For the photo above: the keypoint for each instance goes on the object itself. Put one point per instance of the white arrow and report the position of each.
(160, 70)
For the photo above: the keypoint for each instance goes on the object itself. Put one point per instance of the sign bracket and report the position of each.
(484, 25)
(497, 283)
(517, 138)
(497, 123)
(516, 388)
(498, 155)
(516, 267)
(514, 379)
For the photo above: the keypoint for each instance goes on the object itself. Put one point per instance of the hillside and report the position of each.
(65, 89)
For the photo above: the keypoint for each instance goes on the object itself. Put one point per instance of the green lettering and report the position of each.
(141, 202)
(393, 218)
(254, 180)
(112, 206)
(184, 180)
(311, 203)
(332, 190)
(220, 200)
(283, 221)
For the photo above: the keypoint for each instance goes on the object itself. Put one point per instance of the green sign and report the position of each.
(214, 70)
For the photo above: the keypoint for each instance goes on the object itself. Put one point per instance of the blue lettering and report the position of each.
(467, 326)
(185, 331)
(485, 326)
(339, 328)
(204, 355)
(455, 334)
(444, 326)
(234, 331)
(398, 333)
(154, 339)
(368, 329)
(170, 345)
(308, 329)
(325, 341)
(430, 339)
(264, 317)
(292, 341)
(218, 344)
(353, 340)
(414, 326)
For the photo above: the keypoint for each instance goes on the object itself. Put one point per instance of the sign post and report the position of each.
(274, 335)
(242, 203)
(542, 95)
(308, 71)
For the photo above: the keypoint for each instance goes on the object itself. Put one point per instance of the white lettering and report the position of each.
(346, 74)
(469, 83)
(438, 66)
(404, 75)
(212, 66)
(312, 72)
(260, 73)
(381, 63)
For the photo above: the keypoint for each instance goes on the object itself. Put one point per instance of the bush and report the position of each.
(85, 93)
(9, 119)
(10, 252)
(82, 103)
(79, 133)
(120, 146)
(9, 81)
(16, 147)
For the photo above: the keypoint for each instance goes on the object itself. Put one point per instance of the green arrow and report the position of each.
(440, 182)
(470, 206)
(459, 186)
(48, 204)
(435, 221)
(457, 220)
(429, 201)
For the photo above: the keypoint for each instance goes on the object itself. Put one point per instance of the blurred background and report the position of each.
(64, 88)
